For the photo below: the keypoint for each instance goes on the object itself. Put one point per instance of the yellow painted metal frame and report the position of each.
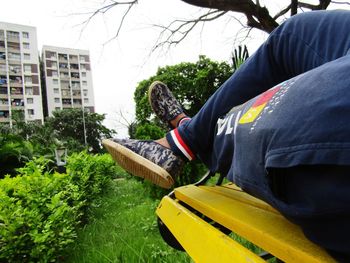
(201, 241)
(243, 214)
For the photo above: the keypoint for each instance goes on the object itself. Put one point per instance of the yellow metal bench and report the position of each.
(184, 225)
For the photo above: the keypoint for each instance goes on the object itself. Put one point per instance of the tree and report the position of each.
(79, 129)
(191, 83)
(256, 15)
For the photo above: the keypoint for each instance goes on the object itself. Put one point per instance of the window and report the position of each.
(66, 93)
(12, 34)
(30, 100)
(57, 100)
(86, 100)
(15, 69)
(84, 83)
(13, 46)
(14, 56)
(4, 102)
(73, 57)
(26, 45)
(29, 91)
(57, 108)
(85, 91)
(30, 112)
(27, 68)
(56, 91)
(54, 73)
(26, 56)
(28, 79)
(62, 56)
(3, 67)
(83, 74)
(25, 34)
(55, 81)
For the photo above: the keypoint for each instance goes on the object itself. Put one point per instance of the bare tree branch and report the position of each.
(183, 28)
(103, 10)
(340, 3)
(282, 12)
(121, 23)
(257, 16)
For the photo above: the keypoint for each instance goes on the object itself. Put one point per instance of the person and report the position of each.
(278, 128)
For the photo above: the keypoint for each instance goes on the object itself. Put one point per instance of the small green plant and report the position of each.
(40, 210)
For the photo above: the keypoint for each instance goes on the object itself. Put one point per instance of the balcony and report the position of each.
(66, 106)
(15, 70)
(75, 76)
(76, 94)
(13, 47)
(64, 75)
(73, 59)
(62, 57)
(66, 95)
(4, 116)
(4, 119)
(66, 102)
(13, 38)
(3, 81)
(2, 46)
(17, 91)
(14, 57)
(15, 81)
(4, 105)
(50, 55)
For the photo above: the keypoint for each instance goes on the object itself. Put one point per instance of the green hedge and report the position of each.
(40, 210)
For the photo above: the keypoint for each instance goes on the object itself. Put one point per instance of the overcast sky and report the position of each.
(118, 65)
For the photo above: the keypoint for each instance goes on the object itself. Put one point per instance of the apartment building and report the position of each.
(19, 73)
(68, 78)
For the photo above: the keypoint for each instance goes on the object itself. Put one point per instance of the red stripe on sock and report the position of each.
(183, 144)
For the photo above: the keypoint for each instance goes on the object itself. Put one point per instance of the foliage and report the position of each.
(149, 131)
(191, 83)
(14, 152)
(40, 210)
(69, 125)
(239, 55)
(90, 173)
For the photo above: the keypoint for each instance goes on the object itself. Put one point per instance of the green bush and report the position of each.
(40, 210)
(90, 173)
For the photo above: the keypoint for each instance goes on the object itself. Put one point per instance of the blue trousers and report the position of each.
(301, 44)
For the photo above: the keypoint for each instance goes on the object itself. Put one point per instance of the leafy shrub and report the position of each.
(14, 152)
(40, 210)
(36, 219)
(90, 173)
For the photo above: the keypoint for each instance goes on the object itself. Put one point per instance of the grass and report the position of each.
(123, 228)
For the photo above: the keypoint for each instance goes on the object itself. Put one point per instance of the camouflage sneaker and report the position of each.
(146, 159)
(163, 102)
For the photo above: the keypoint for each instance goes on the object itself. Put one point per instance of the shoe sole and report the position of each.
(138, 165)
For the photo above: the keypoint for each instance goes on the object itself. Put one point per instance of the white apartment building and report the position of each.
(19, 73)
(68, 78)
